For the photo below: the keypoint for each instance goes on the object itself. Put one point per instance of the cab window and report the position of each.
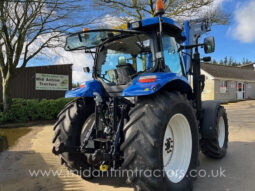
(171, 55)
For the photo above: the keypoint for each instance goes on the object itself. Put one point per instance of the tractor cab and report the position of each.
(122, 55)
(149, 55)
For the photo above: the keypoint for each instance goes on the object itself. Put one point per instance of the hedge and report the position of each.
(23, 110)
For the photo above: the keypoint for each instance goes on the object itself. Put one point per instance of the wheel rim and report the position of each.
(221, 132)
(177, 148)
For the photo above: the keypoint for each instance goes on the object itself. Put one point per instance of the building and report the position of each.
(227, 83)
(248, 66)
(49, 82)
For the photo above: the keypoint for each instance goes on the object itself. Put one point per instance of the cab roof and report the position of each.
(169, 25)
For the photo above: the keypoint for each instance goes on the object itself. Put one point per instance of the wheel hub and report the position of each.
(221, 132)
(169, 145)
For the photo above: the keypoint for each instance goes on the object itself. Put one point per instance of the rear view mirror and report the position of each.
(209, 45)
(86, 69)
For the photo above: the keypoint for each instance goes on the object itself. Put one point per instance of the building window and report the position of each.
(223, 86)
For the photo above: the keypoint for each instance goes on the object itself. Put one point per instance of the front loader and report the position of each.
(140, 114)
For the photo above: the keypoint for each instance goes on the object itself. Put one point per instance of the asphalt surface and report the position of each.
(33, 152)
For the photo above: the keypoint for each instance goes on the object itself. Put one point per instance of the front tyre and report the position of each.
(217, 147)
(161, 143)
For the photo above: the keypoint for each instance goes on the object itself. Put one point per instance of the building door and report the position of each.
(240, 90)
(244, 90)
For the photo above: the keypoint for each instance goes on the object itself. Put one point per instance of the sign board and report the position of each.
(51, 82)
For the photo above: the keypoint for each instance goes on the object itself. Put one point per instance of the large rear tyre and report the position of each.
(161, 143)
(217, 148)
(68, 131)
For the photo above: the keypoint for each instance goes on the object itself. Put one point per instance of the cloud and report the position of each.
(244, 29)
(79, 60)
(109, 21)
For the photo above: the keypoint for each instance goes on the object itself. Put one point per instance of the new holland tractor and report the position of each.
(140, 114)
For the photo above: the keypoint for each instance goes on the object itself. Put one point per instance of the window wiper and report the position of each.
(80, 38)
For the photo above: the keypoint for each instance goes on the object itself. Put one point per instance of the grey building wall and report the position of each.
(230, 95)
(250, 90)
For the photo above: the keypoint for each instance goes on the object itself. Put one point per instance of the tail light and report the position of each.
(147, 79)
(82, 85)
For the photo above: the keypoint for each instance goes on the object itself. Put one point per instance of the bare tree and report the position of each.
(178, 9)
(27, 27)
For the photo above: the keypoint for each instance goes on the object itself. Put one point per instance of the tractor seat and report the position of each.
(124, 73)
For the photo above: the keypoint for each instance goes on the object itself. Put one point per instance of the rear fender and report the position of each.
(90, 87)
(208, 127)
(163, 81)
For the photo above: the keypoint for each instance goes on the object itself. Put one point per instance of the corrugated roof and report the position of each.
(231, 72)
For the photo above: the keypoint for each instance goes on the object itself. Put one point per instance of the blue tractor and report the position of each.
(140, 114)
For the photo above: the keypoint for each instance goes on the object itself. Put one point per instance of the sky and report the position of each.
(236, 40)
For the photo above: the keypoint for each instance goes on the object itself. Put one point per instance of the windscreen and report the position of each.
(91, 39)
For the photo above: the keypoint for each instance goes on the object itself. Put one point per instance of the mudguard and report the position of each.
(162, 79)
(90, 87)
(208, 127)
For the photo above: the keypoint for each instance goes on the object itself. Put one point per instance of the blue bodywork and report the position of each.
(155, 21)
(89, 89)
(143, 89)
(136, 88)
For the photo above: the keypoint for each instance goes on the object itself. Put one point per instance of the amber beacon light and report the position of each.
(160, 7)
(85, 29)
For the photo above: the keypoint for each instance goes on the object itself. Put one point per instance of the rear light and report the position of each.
(147, 79)
(82, 85)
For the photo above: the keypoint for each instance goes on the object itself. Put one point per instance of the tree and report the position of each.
(76, 85)
(214, 62)
(230, 61)
(27, 27)
(245, 61)
(221, 62)
(178, 9)
(225, 61)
